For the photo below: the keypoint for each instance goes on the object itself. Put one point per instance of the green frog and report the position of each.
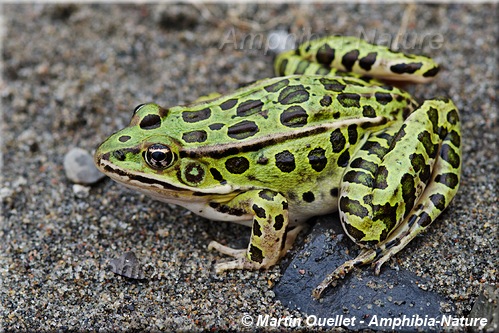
(323, 136)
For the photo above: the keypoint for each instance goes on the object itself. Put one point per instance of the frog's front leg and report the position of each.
(270, 238)
(398, 183)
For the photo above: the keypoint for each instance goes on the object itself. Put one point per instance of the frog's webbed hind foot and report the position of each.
(365, 257)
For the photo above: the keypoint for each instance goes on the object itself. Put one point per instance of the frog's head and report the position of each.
(144, 157)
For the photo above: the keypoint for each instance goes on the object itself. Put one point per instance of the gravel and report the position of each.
(72, 74)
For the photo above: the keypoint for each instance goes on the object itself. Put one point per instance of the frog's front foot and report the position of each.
(241, 261)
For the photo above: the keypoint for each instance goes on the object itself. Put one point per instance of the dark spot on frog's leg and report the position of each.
(338, 140)
(349, 59)
(413, 218)
(433, 117)
(343, 159)
(195, 136)
(360, 163)
(368, 111)
(418, 161)
(374, 148)
(228, 104)
(358, 177)
(255, 254)
(424, 219)
(257, 231)
(431, 72)
(334, 192)
(431, 149)
(353, 207)
(348, 100)
(284, 205)
(124, 138)
(392, 243)
(450, 180)
(308, 197)
(352, 134)
(282, 67)
(285, 161)
(325, 55)
(438, 200)
(368, 199)
(195, 116)
(368, 61)
(151, 121)
(259, 211)
(248, 108)
(237, 165)
(279, 222)
(242, 130)
(448, 154)
(453, 117)
(409, 68)
(267, 195)
(455, 138)
(354, 232)
(294, 116)
(301, 67)
(326, 101)
(387, 214)
(216, 174)
(317, 159)
(408, 192)
(380, 180)
(383, 98)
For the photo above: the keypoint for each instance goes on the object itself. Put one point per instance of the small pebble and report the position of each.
(79, 167)
(128, 266)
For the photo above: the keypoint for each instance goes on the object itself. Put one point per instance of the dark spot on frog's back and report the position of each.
(228, 104)
(293, 94)
(248, 108)
(294, 116)
(194, 136)
(348, 100)
(242, 130)
(150, 121)
(195, 116)
(275, 87)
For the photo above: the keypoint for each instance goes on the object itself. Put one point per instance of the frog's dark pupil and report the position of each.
(158, 156)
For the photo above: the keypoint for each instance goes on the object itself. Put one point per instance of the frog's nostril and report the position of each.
(119, 155)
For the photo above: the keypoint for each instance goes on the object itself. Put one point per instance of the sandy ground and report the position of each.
(72, 74)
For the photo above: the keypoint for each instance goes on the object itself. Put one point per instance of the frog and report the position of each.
(332, 132)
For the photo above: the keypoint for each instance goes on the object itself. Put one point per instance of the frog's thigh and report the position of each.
(268, 236)
(399, 205)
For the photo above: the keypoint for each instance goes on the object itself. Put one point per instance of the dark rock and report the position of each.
(361, 294)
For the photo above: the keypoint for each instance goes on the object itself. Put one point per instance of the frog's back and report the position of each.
(285, 107)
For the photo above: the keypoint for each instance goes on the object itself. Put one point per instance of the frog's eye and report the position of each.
(137, 108)
(159, 156)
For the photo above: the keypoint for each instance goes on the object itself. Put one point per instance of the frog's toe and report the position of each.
(240, 263)
(236, 253)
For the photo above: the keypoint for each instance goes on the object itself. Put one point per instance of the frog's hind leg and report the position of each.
(399, 204)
